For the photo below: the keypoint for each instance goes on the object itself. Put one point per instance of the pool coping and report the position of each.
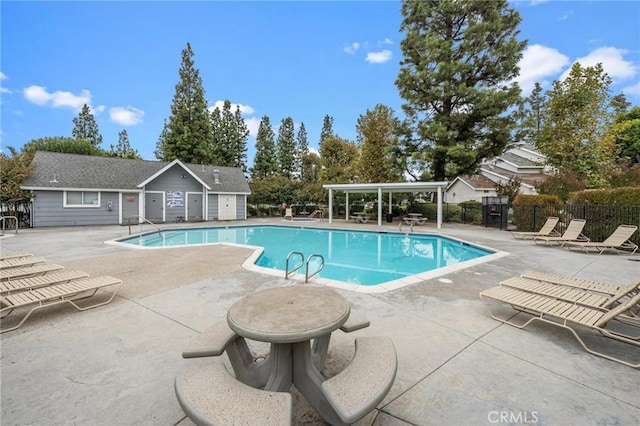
(250, 262)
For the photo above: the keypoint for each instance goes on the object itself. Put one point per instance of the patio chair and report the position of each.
(69, 292)
(566, 315)
(15, 254)
(17, 262)
(619, 241)
(288, 213)
(547, 230)
(572, 233)
(30, 271)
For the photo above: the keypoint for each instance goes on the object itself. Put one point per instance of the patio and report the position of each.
(115, 365)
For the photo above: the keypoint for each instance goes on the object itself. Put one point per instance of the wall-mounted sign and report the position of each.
(175, 199)
(130, 199)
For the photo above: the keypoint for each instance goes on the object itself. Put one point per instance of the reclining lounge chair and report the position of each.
(547, 230)
(572, 233)
(566, 315)
(619, 241)
(69, 292)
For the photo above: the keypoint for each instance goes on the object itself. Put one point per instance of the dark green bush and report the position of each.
(624, 196)
(531, 219)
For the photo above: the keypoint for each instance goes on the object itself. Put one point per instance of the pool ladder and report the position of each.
(302, 262)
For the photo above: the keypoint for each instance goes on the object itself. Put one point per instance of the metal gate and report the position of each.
(495, 211)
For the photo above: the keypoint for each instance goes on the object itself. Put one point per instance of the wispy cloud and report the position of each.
(59, 99)
(352, 48)
(613, 62)
(253, 124)
(4, 89)
(126, 116)
(378, 57)
(244, 109)
(538, 64)
(565, 16)
(634, 89)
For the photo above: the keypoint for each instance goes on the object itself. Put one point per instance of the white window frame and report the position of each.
(81, 206)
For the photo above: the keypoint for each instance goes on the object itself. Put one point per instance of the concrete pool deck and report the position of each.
(115, 365)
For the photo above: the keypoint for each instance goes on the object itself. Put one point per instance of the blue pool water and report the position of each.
(357, 257)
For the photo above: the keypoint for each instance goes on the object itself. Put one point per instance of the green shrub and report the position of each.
(528, 219)
(624, 196)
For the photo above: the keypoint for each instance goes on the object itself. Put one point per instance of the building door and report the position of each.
(194, 207)
(130, 207)
(153, 206)
(227, 207)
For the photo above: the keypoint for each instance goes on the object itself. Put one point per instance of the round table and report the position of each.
(288, 314)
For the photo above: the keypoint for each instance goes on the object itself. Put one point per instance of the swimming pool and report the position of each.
(378, 261)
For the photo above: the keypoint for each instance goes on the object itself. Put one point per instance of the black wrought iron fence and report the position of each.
(601, 221)
(19, 209)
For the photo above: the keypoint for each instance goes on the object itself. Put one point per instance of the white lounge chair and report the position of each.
(547, 230)
(572, 233)
(618, 241)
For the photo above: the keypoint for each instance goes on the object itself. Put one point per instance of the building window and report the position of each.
(81, 199)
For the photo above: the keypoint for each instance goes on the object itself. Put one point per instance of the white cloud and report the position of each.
(612, 61)
(3, 76)
(38, 95)
(539, 63)
(127, 116)
(378, 57)
(5, 90)
(244, 109)
(387, 41)
(253, 124)
(633, 90)
(352, 48)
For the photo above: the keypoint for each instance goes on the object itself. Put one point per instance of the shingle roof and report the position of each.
(479, 181)
(518, 160)
(60, 170)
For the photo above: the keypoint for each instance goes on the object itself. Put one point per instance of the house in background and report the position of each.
(72, 189)
(521, 162)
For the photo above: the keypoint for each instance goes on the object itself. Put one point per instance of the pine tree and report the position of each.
(458, 56)
(286, 147)
(85, 127)
(327, 129)
(123, 148)
(188, 131)
(302, 149)
(265, 161)
(159, 151)
(229, 141)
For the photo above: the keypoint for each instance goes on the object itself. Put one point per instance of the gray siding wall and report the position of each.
(48, 210)
(241, 207)
(213, 207)
(172, 180)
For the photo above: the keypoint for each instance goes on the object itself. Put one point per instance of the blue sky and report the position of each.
(280, 59)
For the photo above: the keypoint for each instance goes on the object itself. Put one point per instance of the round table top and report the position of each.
(288, 314)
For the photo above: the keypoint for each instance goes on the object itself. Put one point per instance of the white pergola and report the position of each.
(390, 188)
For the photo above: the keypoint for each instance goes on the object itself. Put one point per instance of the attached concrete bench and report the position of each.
(217, 339)
(211, 396)
(354, 322)
(321, 344)
(212, 342)
(365, 382)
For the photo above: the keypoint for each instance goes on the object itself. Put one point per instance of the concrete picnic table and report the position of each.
(289, 318)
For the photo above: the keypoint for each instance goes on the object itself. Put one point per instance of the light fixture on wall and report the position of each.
(183, 176)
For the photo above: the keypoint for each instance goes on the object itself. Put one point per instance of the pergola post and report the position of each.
(330, 205)
(379, 206)
(439, 218)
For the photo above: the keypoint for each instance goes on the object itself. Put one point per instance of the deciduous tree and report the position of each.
(63, 144)
(376, 133)
(339, 159)
(13, 169)
(575, 134)
(460, 59)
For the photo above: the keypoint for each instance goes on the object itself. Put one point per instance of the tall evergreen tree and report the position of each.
(265, 162)
(188, 131)
(620, 104)
(458, 56)
(302, 149)
(85, 127)
(286, 147)
(529, 116)
(327, 129)
(123, 148)
(229, 141)
(159, 151)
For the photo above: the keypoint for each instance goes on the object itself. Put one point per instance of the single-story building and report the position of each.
(72, 189)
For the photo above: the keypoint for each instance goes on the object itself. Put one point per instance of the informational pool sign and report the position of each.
(175, 199)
